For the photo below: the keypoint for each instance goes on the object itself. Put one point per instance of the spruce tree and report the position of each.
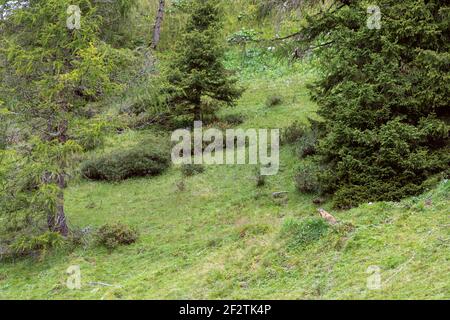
(383, 95)
(199, 83)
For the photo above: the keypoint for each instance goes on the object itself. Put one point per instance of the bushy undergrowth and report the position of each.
(91, 136)
(31, 244)
(274, 101)
(114, 235)
(305, 137)
(307, 144)
(293, 133)
(306, 178)
(142, 160)
(189, 170)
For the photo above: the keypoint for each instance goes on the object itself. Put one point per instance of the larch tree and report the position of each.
(52, 62)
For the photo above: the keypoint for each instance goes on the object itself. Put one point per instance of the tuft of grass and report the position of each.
(189, 170)
(273, 101)
(300, 233)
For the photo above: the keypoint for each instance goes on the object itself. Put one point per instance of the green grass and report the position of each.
(221, 238)
(295, 105)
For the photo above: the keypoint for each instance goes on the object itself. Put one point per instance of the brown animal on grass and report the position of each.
(325, 215)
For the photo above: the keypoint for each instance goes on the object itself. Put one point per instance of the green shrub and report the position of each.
(274, 100)
(112, 236)
(144, 96)
(301, 233)
(91, 136)
(140, 161)
(306, 179)
(189, 170)
(292, 133)
(233, 119)
(89, 143)
(307, 144)
(351, 196)
(31, 244)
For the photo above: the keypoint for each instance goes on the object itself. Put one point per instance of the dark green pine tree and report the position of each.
(384, 95)
(199, 82)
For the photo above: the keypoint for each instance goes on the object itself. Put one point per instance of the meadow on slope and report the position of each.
(224, 238)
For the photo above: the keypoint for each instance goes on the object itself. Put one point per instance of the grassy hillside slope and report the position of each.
(222, 237)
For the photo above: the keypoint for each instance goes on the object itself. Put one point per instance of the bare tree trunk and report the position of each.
(158, 23)
(60, 218)
(56, 221)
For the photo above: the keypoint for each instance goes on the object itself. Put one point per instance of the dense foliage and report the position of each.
(384, 97)
(140, 161)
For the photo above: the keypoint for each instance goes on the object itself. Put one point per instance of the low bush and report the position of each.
(351, 196)
(140, 161)
(293, 133)
(274, 100)
(306, 179)
(189, 170)
(135, 107)
(233, 119)
(307, 144)
(144, 97)
(301, 233)
(112, 236)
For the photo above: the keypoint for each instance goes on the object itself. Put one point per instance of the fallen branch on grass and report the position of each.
(103, 284)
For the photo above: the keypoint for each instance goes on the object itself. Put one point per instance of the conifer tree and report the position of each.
(384, 97)
(50, 67)
(199, 82)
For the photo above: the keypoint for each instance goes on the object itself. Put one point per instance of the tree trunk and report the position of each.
(158, 23)
(197, 110)
(56, 221)
(198, 113)
(60, 218)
